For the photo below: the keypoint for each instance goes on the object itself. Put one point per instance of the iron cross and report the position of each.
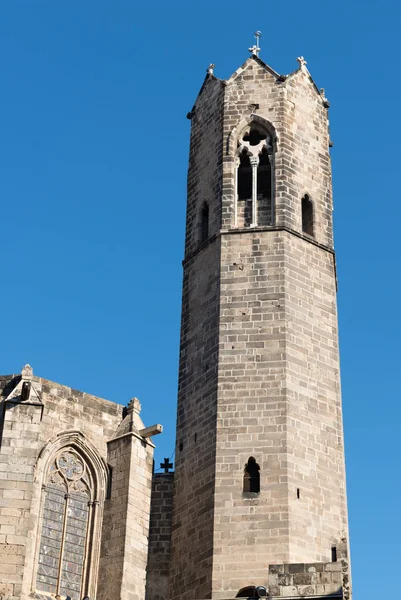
(167, 465)
(256, 49)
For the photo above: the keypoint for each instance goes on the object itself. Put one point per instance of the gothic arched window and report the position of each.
(252, 476)
(66, 530)
(307, 215)
(254, 201)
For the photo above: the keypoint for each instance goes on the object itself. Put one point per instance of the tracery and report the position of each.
(254, 178)
(64, 535)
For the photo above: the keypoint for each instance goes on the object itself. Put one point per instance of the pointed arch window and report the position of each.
(251, 476)
(307, 215)
(66, 526)
(254, 178)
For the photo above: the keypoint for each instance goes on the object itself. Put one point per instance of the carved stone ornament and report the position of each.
(27, 373)
(302, 62)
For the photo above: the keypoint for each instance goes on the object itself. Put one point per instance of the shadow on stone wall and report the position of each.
(6, 387)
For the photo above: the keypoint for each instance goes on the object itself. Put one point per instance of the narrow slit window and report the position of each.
(205, 223)
(252, 476)
(333, 554)
(109, 482)
(307, 215)
(244, 177)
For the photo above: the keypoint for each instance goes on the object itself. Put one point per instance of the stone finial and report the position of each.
(27, 373)
(134, 406)
(211, 68)
(302, 62)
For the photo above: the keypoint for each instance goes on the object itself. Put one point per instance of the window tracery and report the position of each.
(65, 525)
(254, 178)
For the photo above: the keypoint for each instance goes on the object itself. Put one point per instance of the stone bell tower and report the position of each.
(260, 495)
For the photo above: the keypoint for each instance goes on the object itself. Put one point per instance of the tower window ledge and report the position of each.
(248, 229)
(250, 495)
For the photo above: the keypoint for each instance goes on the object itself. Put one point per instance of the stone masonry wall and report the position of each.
(251, 530)
(160, 537)
(300, 580)
(314, 421)
(278, 401)
(192, 530)
(205, 163)
(272, 386)
(26, 429)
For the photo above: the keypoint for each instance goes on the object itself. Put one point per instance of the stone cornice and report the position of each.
(239, 230)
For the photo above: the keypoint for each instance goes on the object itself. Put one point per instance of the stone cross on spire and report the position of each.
(255, 48)
(302, 62)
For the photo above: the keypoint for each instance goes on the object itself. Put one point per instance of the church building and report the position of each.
(256, 505)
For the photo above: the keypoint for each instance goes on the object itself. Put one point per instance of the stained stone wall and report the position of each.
(192, 529)
(205, 163)
(300, 580)
(279, 402)
(160, 537)
(192, 533)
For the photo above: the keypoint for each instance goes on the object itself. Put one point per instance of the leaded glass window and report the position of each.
(64, 534)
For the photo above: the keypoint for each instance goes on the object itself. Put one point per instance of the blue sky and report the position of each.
(93, 159)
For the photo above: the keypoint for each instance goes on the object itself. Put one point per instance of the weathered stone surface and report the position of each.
(259, 368)
(311, 580)
(160, 537)
(32, 432)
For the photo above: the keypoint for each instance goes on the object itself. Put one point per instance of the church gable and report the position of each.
(253, 66)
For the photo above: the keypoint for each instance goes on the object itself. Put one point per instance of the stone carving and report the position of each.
(27, 373)
(302, 62)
